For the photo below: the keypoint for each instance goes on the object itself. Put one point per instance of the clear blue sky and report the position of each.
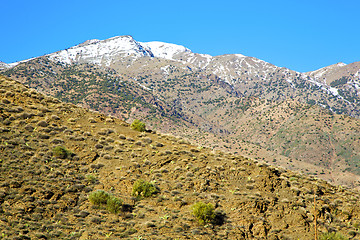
(302, 35)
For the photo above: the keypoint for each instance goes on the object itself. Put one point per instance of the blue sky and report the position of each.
(302, 35)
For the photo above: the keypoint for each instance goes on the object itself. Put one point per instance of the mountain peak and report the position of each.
(101, 52)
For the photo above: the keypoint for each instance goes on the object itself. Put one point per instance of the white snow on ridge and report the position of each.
(95, 51)
(103, 51)
(240, 55)
(165, 50)
(16, 63)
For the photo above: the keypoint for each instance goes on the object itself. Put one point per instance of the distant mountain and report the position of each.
(233, 102)
(334, 87)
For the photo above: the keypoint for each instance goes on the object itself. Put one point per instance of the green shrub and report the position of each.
(143, 188)
(138, 125)
(61, 152)
(203, 212)
(90, 178)
(114, 205)
(99, 197)
(332, 236)
(104, 199)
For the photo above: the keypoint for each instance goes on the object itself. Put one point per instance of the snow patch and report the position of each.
(333, 91)
(165, 50)
(240, 55)
(357, 74)
(98, 52)
(165, 69)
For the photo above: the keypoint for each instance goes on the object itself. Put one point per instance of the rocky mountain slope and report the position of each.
(230, 102)
(44, 195)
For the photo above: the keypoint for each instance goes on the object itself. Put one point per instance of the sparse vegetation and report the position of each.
(143, 188)
(203, 212)
(99, 197)
(333, 236)
(114, 205)
(90, 178)
(61, 152)
(138, 125)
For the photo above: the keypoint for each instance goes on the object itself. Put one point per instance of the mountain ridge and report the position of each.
(232, 68)
(95, 41)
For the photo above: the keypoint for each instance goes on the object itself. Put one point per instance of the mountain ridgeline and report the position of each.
(301, 121)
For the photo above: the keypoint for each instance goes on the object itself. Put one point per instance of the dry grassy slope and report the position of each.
(43, 197)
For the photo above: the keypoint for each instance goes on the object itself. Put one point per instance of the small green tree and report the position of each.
(138, 125)
(142, 188)
(203, 212)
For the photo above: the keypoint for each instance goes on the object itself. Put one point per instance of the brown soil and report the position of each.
(44, 197)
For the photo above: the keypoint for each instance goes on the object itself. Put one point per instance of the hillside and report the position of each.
(208, 111)
(45, 196)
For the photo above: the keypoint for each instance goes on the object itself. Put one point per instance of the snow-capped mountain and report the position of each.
(106, 52)
(228, 67)
(101, 52)
(339, 84)
(231, 68)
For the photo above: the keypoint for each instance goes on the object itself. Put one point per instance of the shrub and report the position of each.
(203, 212)
(332, 236)
(61, 152)
(90, 178)
(143, 188)
(104, 199)
(138, 125)
(114, 205)
(99, 197)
